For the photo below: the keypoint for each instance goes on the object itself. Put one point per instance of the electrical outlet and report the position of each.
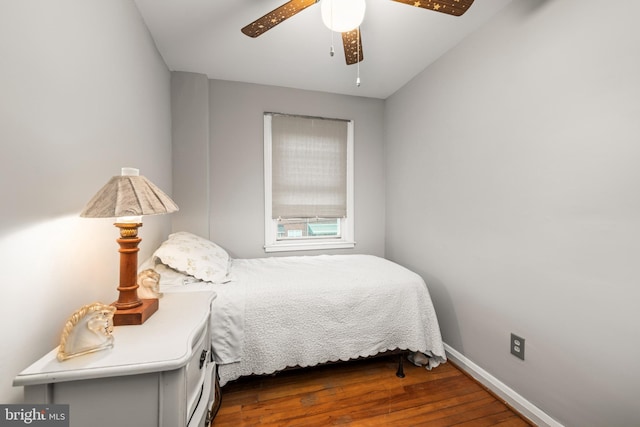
(517, 346)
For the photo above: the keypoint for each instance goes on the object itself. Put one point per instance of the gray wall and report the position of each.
(84, 92)
(190, 136)
(236, 160)
(515, 194)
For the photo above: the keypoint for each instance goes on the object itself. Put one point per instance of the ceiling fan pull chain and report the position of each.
(332, 49)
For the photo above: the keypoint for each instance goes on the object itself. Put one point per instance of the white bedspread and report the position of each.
(281, 312)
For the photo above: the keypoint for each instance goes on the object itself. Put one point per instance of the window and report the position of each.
(308, 166)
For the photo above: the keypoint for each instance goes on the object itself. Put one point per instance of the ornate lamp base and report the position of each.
(137, 315)
(131, 310)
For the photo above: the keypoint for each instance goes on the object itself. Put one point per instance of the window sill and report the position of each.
(307, 246)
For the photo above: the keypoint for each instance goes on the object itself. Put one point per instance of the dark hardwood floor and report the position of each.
(363, 393)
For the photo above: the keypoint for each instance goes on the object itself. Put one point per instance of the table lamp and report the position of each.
(127, 198)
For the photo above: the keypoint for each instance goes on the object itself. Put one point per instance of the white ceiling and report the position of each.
(399, 41)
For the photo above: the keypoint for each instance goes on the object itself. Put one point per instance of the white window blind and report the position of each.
(309, 167)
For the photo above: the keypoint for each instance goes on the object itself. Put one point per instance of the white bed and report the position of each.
(274, 313)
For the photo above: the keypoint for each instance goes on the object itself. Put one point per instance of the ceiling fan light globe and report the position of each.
(342, 15)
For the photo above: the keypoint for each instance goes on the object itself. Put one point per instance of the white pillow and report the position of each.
(195, 256)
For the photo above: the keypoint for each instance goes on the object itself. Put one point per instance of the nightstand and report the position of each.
(159, 374)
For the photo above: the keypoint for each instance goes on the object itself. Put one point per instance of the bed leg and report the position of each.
(400, 372)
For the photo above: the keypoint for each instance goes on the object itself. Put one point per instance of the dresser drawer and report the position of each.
(207, 395)
(196, 369)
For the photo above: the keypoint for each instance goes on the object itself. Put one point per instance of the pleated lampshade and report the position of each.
(128, 195)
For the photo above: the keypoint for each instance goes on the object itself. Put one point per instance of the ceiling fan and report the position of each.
(351, 39)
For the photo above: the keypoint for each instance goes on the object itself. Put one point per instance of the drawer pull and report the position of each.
(203, 358)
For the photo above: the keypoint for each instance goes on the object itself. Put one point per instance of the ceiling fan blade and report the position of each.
(352, 43)
(276, 16)
(451, 7)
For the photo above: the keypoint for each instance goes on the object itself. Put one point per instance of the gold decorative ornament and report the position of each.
(88, 330)
(149, 284)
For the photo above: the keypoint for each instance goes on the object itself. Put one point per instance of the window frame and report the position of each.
(271, 242)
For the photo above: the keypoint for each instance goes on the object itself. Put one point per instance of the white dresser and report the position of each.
(159, 374)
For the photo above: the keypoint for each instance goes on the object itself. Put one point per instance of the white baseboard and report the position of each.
(519, 403)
